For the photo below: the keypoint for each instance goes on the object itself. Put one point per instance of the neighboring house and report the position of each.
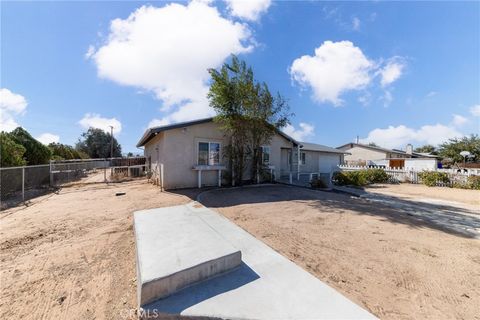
(190, 154)
(367, 155)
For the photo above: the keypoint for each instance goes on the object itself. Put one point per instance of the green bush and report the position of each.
(376, 175)
(318, 183)
(431, 178)
(340, 178)
(360, 177)
(474, 182)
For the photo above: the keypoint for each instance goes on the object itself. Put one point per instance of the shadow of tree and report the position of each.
(450, 219)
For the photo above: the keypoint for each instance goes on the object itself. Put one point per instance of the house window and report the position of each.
(208, 153)
(292, 157)
(266, 155)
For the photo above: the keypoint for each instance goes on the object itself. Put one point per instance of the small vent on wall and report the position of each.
(184, 130)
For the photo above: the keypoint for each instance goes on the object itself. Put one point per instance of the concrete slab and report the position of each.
(175, 249)
(265, 286)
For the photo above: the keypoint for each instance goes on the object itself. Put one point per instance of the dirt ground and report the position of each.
(71, 255)
(388, 261)
(416, 191)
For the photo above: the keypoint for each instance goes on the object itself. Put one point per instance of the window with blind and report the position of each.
(208, 153)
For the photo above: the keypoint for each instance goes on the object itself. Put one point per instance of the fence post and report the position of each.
(23, 184)
(51, 174)
(161, 176)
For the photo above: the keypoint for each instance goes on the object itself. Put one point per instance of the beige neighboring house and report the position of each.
(190, 154)
(367, 155)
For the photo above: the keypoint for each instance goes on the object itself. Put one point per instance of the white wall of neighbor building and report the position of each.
(362, 154)
(421, 164)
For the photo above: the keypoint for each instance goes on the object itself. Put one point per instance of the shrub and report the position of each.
(318, 183)
(376, 175)
(431, 178)
(360, 177)
(474, 182)
(340, 178)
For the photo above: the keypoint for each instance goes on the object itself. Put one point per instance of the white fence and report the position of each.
(413, 176)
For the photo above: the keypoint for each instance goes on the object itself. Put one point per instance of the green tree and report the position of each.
(428, 148)
(247, 113)
(96, 144)
(35, 151)
(372, 144)
(452, 148)
(11, 153)
(64, 152)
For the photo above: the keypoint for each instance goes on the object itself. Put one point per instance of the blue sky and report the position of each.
(390, 72)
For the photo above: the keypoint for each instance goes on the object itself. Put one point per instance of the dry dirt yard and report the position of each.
(421, 192)
(392, 262)
(71, 255)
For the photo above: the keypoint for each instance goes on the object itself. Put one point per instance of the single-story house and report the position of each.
(190, 154)
(367, 155)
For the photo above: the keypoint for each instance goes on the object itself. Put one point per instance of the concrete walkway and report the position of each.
(194, 253)
(265, 286)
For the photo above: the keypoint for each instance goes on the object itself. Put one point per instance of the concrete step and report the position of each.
(176, 249)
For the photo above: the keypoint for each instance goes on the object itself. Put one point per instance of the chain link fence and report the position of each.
(19, 184)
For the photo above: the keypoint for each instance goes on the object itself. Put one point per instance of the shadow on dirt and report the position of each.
(445, 218)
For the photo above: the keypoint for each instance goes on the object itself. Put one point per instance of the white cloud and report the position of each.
(399, 136)
(168, 50)
(387, 98)
(90, 52)
(248, 9)
(336, 67)
(459, 120)
(47, 138)
(475, 110)
(392, 70)
(356, 24)
(305, 130)
(92, 120)
(158, 123)
(11, 105)
(431, 94)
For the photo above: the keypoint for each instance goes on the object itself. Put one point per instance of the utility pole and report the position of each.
(111, 142)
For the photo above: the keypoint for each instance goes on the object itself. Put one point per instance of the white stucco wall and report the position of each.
(359, 153)
(363, 154)
(177, 150)
(328, 161)
(421, 164)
